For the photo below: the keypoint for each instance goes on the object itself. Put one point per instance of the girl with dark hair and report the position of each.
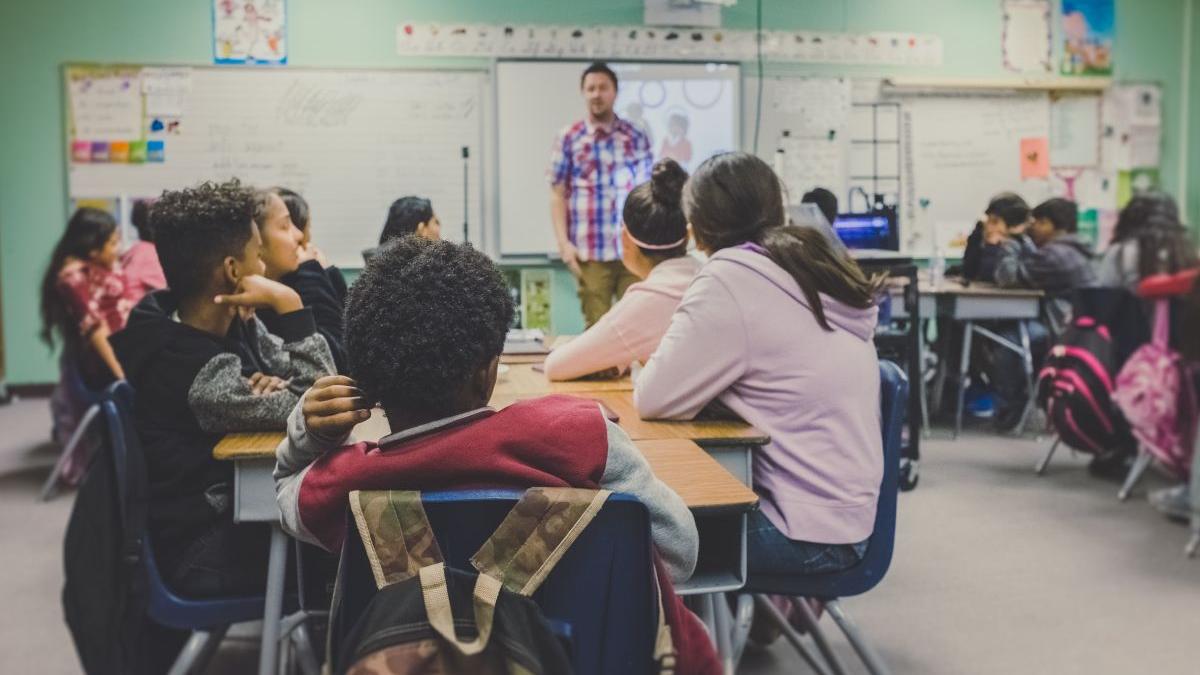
(1148, 239)
(84, 295)
(84, 300)
(291, 259)
(407, 216)
(654, 249)
(778, 328)
(143, 271)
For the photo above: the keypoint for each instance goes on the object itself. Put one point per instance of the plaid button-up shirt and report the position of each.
(599, 167)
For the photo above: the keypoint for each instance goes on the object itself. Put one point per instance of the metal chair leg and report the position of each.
(1041, 467)
(1193, 545)
(743, 619)
(1027, 364)
(50, 487)
(964, 375)
(764, 603)
(723, 623)
(1135, 474)
(921, 387)
(874, 664)
(810, 622)
(197, 652)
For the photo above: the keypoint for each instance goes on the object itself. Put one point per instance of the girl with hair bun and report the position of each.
(654, 248)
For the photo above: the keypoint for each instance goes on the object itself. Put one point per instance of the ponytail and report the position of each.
(806, 254)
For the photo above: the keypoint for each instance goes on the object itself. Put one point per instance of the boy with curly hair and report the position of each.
(202, 365)
(425, 326)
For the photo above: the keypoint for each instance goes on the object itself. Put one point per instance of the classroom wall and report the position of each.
(1193, 186)
(37, 38)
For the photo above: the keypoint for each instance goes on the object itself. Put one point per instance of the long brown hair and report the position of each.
(735, 198)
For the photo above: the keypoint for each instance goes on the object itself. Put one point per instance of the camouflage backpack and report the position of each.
(427, 617)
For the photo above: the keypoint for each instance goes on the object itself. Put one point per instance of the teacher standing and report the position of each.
(595, 164)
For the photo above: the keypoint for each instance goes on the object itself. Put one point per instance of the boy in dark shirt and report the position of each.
(202, 365)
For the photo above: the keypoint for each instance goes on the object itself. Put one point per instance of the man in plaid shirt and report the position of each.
(595, 163)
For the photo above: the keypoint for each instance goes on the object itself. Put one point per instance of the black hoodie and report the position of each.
(192, 388)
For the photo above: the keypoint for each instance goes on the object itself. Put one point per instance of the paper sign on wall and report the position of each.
(1035, 158)
(106, 106)
(1026, 35)
(250, 31)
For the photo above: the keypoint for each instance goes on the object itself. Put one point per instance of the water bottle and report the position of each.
(937, 267)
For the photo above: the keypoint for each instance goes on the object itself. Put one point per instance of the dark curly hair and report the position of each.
(421, 320)
(196, 228)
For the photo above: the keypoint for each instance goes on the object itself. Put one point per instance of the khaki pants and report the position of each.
(599, 282)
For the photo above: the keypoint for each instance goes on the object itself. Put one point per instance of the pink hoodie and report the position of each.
(744, 334)
(630, 331)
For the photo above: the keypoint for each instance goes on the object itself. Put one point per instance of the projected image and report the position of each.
(687, 119)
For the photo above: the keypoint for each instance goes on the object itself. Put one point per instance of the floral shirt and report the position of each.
(96, 295)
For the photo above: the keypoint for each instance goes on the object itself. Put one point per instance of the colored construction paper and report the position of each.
(118, 151)
(1035, 158)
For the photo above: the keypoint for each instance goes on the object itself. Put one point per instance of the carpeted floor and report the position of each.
(996, 570)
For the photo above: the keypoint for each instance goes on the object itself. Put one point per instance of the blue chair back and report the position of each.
(893, 402)
(164, 606)
(600, 595)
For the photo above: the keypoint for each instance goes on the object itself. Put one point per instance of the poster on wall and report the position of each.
(252, 32)
(1088, 27)
(1026, 39)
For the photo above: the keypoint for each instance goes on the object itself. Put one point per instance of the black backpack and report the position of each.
(105, 595)
(1075, 386)
(429, 617)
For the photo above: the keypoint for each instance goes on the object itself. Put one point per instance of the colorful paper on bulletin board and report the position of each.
(1026, 39)
(1130, 183)
(250, 31)
(105, 104)
(1088, 27)
(111, 205)
(1035, 158)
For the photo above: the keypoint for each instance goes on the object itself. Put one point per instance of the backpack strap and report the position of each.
(535, 535)
(441, 615)
(1162, 322)
(395, 533)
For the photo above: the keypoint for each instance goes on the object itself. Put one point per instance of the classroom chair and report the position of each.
(830, 588)
(600, 596)
(208, 619)
(73, 456)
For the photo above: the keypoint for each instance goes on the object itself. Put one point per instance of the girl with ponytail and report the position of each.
(778, 328)
(654, 249)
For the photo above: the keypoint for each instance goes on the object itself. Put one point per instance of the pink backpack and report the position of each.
(1155, 392)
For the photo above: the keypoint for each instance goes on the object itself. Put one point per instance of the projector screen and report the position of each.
(688, 110)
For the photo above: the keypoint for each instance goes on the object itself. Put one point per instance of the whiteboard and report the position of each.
(536, 100)
(959, 151)
(350, 141)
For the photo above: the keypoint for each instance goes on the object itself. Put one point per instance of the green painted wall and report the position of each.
(36, 38)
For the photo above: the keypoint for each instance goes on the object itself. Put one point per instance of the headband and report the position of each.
(656, 247)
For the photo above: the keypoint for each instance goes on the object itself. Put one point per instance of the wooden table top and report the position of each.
(705, 432)
(523, 379)
(684, 466)
(695, 476)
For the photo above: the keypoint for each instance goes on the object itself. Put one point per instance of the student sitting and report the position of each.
(1051, 257)
(84, 300)
(143, 272)
(300, 266)
(826, 202)
(408, 215)
(778, 328)
(1007, 217)
(425, 325)
(654, 248)
(187, 351)
(1148, 239)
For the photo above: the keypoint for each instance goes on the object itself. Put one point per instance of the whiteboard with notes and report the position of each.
(350, 141)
